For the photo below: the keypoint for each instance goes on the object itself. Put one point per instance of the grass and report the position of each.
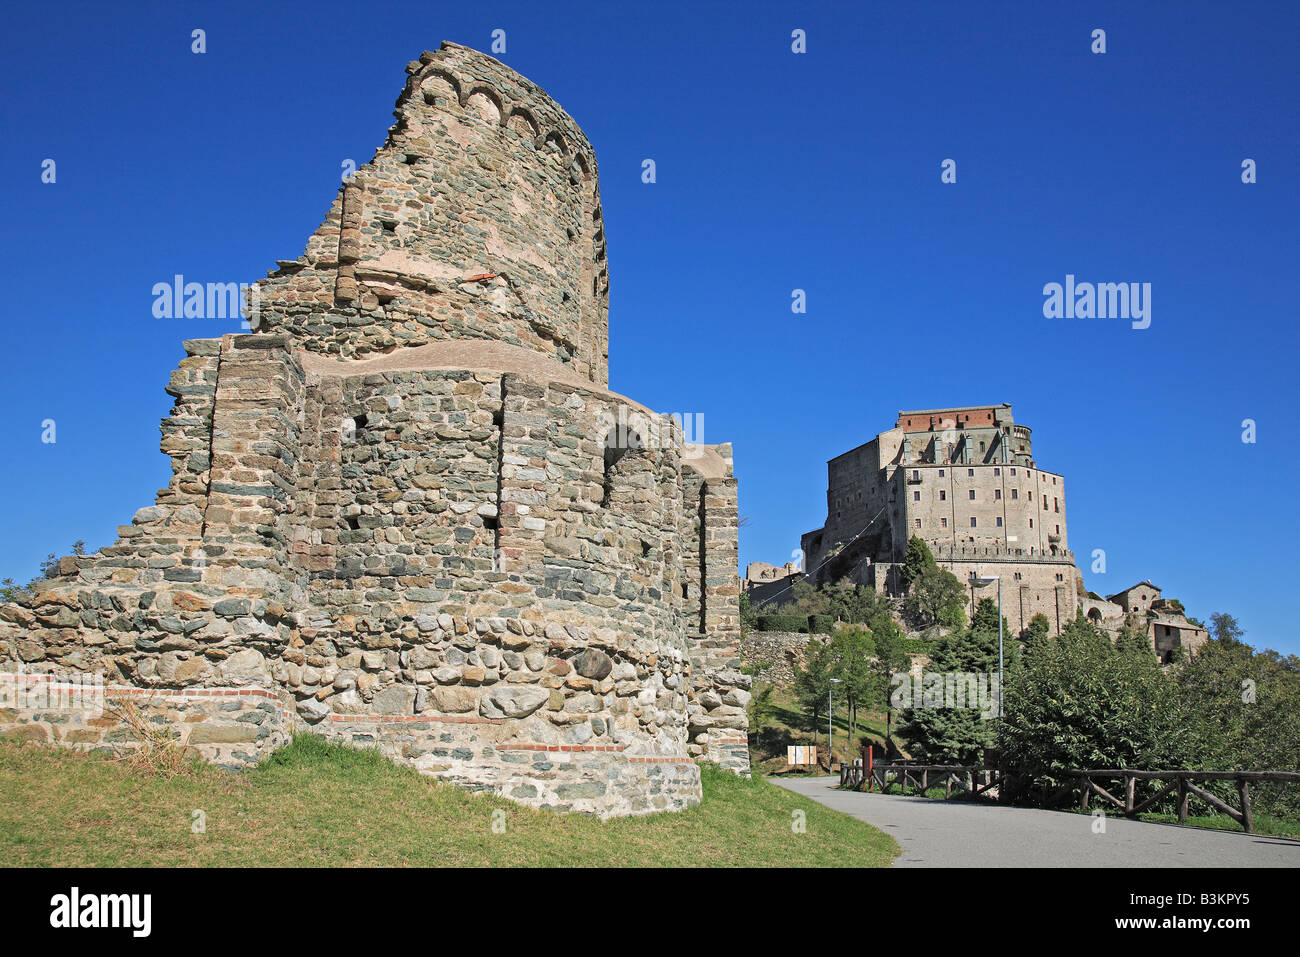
(1265, 824)
(315, 803)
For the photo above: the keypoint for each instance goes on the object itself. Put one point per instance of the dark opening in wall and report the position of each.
(353, 523)
(618, 443)
(388, 225)
(410, 159)
(490, 523)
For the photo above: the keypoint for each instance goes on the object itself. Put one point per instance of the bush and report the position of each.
(821, 624)
(797, 623)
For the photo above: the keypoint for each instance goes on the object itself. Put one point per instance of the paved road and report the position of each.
(955, 834)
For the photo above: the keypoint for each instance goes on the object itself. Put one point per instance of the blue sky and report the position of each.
(775, 171)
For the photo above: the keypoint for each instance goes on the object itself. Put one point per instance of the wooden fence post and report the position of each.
(1247, 818)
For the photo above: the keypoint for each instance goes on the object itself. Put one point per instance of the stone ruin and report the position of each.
(406, 512)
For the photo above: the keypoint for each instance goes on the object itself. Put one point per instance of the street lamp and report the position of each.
(830, 713)
(989, 580)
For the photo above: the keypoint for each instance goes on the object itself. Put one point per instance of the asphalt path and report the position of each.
(934, 833)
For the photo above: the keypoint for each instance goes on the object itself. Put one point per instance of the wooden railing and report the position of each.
(974, 780)
(969, 779)
(1180, 783)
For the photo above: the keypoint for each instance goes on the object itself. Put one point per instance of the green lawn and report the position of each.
(320, 804)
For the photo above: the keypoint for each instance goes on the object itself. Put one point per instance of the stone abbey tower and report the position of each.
(406, 511)
(965, 481)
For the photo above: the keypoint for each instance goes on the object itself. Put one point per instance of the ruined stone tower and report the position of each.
(406, 511)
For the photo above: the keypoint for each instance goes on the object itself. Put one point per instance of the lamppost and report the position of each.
(830, 714)
(989, 580)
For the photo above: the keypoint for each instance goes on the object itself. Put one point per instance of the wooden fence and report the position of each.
(968, 779)
(1182, 784)
(974, 780)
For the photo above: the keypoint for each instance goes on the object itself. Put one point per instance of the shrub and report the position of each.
(797, 623)
(821, 624)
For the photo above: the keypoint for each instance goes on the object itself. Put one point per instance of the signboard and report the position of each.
(800, 755)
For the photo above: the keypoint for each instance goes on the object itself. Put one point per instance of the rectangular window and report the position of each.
(1015, 493)
(972, 521)
(1031, 495)
(944, 522)
(999, 521)
(1058, 529)
(1031, 525)
(1013, 473)
(997, 493)
(916, 496)
(972, 495)
(916, 474)
(940, 473)
(1017, 576)
(970, 473)
(943, 495)
(997, 471)
(918, 523)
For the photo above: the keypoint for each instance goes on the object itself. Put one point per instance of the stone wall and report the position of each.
(416, 519)
(774, 655)
(479, 218)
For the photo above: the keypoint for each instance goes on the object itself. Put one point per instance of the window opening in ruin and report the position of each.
(618, 442)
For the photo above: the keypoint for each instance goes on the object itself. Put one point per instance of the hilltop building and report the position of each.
(1143, 609)
(965, 481)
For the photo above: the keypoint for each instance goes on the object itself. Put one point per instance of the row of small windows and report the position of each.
(997, 471)
(997, 496)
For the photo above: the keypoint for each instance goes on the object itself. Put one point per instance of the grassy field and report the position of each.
(320, 804)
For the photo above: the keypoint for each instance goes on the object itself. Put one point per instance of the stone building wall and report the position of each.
(462, 549)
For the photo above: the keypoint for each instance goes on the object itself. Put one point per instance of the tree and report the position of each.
(941, 731)
(1224, 628)
(748, 613)
(937, 596)
(853, 651)
(1245, 706)
(812, 681)
(918, 561)
(1038, 631)
(1083, 702)
(891, 658)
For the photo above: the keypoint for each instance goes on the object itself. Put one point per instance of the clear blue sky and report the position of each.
(776, 171)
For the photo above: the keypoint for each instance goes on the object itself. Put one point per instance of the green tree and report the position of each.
(748, 613)
(1038, 631)
(1245, 707)
(918, 561)
(946, 734)
(812, 681)
(891, 658)
(937, 597)
(1224, 628)
(1083, 702)
(854, 648)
